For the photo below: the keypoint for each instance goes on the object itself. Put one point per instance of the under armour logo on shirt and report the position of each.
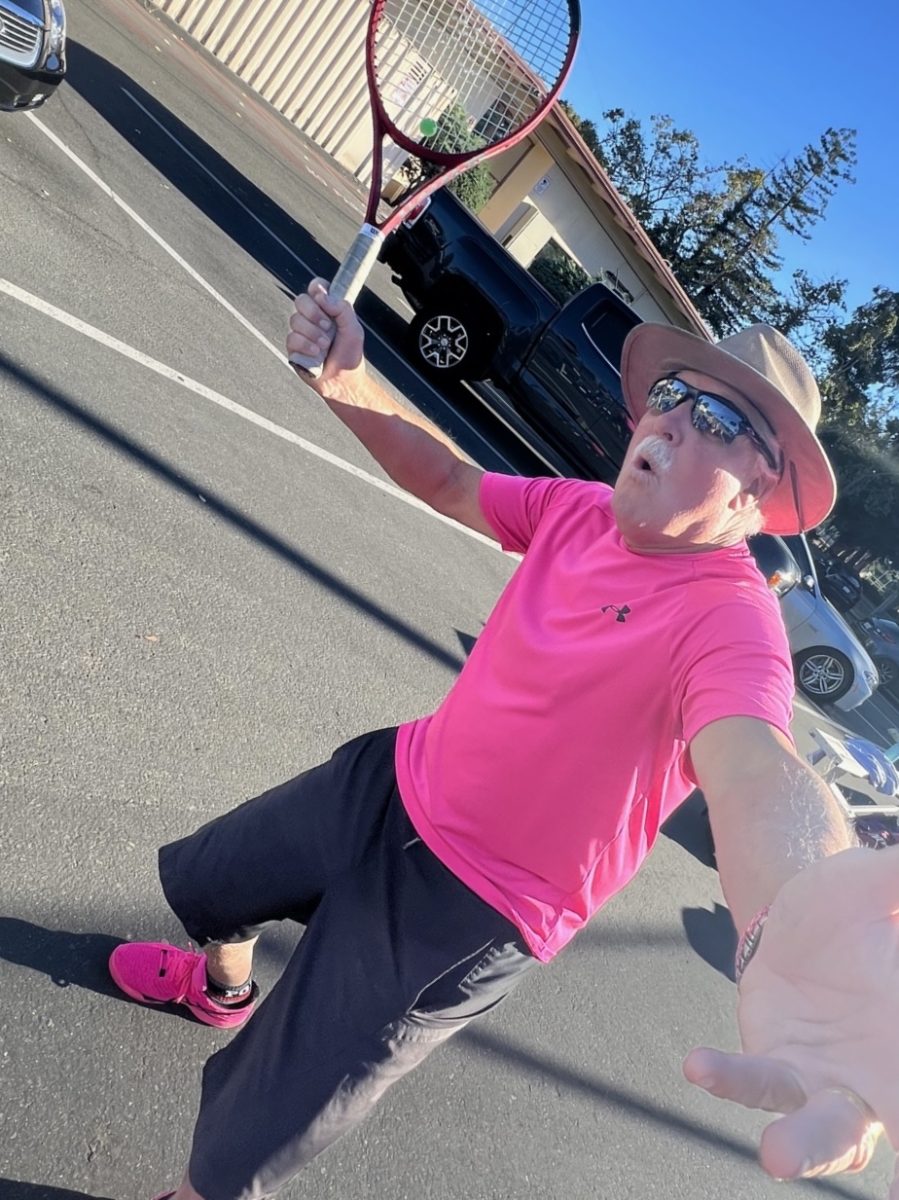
(622, 612)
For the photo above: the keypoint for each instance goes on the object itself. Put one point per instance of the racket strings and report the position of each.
(490, 62)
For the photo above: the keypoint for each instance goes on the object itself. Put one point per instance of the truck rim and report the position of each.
(443, 341)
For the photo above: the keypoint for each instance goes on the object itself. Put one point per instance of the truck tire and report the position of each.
(449, 343)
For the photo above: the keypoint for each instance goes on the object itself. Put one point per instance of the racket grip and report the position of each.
(346, 285)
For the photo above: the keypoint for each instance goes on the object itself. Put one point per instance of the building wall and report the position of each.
(304, 56)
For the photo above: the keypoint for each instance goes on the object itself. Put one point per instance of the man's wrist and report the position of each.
(749, 942)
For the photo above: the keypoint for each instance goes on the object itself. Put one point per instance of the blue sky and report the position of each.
(763, 80)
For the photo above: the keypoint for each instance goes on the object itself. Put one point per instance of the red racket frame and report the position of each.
(362, 254)
(451, 164)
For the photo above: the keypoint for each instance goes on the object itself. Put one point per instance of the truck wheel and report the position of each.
(447, 344)
(823, 674)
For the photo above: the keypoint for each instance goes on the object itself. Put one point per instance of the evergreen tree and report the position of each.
(721, 226)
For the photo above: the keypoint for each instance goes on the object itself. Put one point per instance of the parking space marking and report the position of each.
(160, 241)
(151, 364)
(197, 162)
(280, 242)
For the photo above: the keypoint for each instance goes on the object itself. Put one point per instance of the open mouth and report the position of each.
(652, 456)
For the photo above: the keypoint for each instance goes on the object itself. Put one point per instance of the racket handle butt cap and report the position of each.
(312, 367)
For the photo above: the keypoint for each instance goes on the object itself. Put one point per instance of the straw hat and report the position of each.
(773, 376)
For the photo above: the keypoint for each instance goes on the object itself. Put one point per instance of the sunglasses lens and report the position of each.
(711, 416)
(667, 394)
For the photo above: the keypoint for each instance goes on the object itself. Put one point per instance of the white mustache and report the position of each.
(657, 452)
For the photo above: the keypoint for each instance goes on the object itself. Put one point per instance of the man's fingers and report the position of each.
(317, 292)
(828, 1134)
(746, 1079)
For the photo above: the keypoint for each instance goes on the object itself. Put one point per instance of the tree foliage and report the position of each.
(861, 362)
(559, 274)
(454, 135)
(859, 377)
(721, 225)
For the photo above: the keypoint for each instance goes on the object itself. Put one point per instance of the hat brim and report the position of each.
(807, 489)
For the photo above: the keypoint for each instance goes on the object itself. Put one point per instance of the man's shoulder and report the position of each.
(729, 598)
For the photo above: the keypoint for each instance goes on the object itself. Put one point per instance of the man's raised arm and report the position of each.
(416, 455)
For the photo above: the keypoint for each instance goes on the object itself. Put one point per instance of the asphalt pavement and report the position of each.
(207, 586)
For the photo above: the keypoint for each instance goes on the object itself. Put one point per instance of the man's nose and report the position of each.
(674, 423)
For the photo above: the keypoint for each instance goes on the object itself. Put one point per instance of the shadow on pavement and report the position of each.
(69, 959)
(212, 503)
(279, 243)
(689, 827)
(149, 128)
(15, 1189)
(713, 937)
(624, 1101)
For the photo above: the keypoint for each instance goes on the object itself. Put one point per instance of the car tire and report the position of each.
(449, 344)
(889, 674)
(824, 675)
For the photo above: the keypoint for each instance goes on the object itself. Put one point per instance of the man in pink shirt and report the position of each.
(434, 865)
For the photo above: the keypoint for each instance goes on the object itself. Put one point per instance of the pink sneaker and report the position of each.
(157, 973)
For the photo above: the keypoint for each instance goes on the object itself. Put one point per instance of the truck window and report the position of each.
(607, 328)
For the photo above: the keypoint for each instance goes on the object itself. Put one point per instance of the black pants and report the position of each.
(397, 955)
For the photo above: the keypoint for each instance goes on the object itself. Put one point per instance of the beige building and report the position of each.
(306, 58)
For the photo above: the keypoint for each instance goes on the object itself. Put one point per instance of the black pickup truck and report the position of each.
(481, 316)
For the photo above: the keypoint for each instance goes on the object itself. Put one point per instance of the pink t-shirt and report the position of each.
(543, 777)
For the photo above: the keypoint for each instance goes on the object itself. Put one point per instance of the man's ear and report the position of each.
(750, 496)
(757, 489)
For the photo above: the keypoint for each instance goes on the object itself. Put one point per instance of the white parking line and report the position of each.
(112, 343)
(151, 233)
(193, 158)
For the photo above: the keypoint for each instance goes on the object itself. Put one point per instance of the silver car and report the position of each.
(831, 664)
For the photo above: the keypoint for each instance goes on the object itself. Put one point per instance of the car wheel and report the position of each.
(823, 674)
(449, 345)
(888, 672)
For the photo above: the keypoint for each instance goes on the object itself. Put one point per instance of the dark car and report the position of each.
(32, 52)
(881, 638)
(841, 586)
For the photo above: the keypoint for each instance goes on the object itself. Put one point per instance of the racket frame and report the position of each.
(363, 253)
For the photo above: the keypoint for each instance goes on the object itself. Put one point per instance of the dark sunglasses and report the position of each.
(711, 414)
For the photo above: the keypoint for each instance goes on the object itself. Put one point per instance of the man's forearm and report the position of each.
(768, 829)
(416, 455)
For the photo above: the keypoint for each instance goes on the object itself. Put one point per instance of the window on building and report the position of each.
(560, 274)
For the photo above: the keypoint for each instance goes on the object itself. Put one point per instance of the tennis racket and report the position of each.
(452, 83)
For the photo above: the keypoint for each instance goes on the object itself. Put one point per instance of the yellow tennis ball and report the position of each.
(428, 127)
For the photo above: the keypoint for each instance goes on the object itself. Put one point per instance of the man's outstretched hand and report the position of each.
(819, 1020)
